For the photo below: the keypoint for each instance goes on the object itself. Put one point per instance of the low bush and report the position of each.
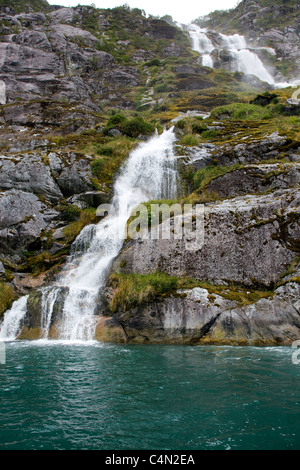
(153, 63)
(137, 126)
(131, 290)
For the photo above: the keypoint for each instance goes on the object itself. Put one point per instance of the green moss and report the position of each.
(87, 216)
(204, 176)
(6, 297)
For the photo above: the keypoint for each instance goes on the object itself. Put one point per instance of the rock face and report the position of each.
(256, 179)
(197, 317)
(249, 240)
(23, 218)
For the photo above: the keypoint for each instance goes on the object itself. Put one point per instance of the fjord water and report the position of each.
(55, 395)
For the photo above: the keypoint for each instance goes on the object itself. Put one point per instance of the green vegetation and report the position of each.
(133, 290)
(242, 111)
(69, 212)
(153, 63)
(131, 127)
(6, 297)
(21, 6)
(109, 158)
(86, 217)
(229, 20)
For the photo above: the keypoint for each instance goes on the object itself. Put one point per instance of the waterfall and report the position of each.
(12, 322)
(202, 44)
(245, 60)
(149, 173)
(242, 59)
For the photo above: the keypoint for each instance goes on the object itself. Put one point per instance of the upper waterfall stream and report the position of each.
(239, 56)
(149, 173)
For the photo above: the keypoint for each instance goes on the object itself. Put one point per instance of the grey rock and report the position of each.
(256, 179)
(63, 15)
(72, 172)
(74, 33)
(31, 19)
(28, 173)
(58, 234)
(2, 269)
(249, 240)
(294, 157)
(273, 321)
(196, 316)
(172, 51)
(23, 218)
(90, 199)
(16, 58)
(35, 39)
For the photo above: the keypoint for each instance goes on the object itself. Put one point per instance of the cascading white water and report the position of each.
(11, 324)
(202, 44)
(150, 173)
(243, 59)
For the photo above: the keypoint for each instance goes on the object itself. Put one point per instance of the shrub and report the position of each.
(153, 63)
(87, 216)
(244, 111)
(116, 119)
(204, 176)
(210, 134)
(131, 290)
(137, 126)
(189, 140)
(161, 88)
(265, 99)
(70, 213)
(198, 128)
(104, 150)
(180, 124)
(97, 166)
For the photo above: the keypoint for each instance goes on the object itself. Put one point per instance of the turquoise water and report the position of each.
(115, 397)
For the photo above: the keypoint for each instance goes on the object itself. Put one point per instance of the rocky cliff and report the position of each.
(79, 89)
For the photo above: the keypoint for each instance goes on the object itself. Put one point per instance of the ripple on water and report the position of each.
(62, 395)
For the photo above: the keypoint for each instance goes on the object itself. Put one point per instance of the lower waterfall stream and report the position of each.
(150, 173)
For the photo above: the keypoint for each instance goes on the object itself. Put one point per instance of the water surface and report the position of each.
(57, 395)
